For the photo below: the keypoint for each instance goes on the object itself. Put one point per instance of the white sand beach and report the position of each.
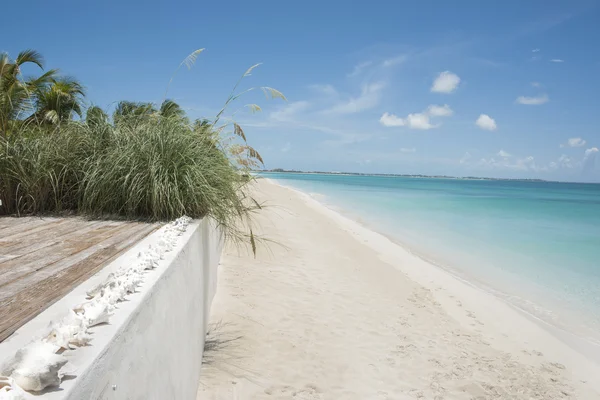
(337, 311)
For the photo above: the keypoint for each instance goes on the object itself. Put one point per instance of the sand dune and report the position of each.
(341, 312)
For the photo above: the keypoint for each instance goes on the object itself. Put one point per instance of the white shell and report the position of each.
(36, 366)
(93, 312)
(72, 331)
(9, 390)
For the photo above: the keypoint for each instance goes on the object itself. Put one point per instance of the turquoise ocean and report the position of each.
(534, 244)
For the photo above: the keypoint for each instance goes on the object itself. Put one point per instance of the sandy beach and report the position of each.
(333, 310)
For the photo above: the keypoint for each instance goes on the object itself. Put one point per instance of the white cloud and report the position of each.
(389, 120)
(557, 60)
(288, 112)
(465, 159)
(536, 84)
(564, 161)
(327, 89)
(590, 153)
(533, 101)
(286, 147)
(394, 61)
(522, 164)
(529, 164)
(535, 50)
(409, 150)
(589, 160)
(504, 154)
(369, 98)
(439, 111)
(417, 120)
(526, 163)
(446, 82)
(359, 68)
(413, 121)
(574, 142)
(486, 122)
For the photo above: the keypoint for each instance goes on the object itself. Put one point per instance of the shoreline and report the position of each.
(569, 339)
(586, 346)
(341, 311)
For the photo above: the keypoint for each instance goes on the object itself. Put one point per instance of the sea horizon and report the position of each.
(525, 267)
(425, 176)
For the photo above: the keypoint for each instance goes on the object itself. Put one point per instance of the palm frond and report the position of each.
(4, 63)
(95, 116)
(170, 109)
(46, 78)
(30, 56)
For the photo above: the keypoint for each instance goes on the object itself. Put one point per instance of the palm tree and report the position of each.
(95, 116)
(16, 94)
(170, 109)
(130, 108)
(58, 101)
(202, 126)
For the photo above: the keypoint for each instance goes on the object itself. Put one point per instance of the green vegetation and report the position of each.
(145, 162)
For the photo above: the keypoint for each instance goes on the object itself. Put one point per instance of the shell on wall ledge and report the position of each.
(9, 390)
(37, 365)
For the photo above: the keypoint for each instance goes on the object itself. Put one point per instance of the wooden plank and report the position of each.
(19, 236)
(25, 224)
(36, 260)
(6, 222)
(32, 298)
(46, 237)
(27, 237)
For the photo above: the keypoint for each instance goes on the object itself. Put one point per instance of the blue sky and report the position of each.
(495, 88)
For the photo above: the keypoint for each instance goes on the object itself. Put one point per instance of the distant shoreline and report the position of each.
(471, 178)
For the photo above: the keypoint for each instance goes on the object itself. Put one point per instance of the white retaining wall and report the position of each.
(152, 346)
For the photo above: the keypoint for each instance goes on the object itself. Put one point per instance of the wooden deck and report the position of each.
(42, 259)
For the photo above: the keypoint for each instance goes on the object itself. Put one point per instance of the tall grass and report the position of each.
(160, 169)
(150, 168)
(147, 163)
(41, 172)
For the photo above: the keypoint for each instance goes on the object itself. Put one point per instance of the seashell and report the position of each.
(5, 381)
(93, 312)
(98, 289)
(37, 366)
(72, 331)
(9, 390)
(130, 281)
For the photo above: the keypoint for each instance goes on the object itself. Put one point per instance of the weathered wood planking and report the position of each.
(42, 259)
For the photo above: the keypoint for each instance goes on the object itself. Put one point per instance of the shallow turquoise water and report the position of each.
(536, 244)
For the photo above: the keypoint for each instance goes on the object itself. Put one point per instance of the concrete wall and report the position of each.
(152, 347)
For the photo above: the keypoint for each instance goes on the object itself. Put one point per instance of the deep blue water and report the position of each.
(536, 244)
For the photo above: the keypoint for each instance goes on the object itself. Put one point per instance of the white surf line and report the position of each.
(38, 365)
